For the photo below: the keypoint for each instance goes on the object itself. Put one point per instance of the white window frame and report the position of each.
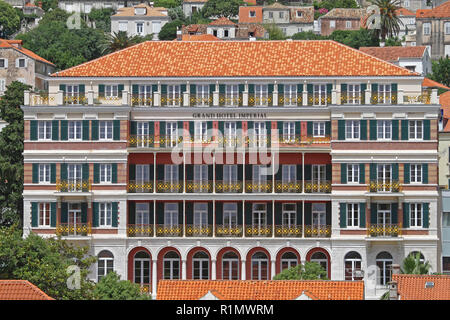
(426, 27)
(415, 215)
(230, 133)
(173, 95)
(171, 133)
(111, 91)
(201, 131)
(2, 85)
(200, 216)
(415, 129)
(289, 131)
(353, 173)
(5, 63)
(416, 174)
(44, 214)
(354, 93)
(290, 94)
(105, 172)
(105, 128)
(352, 130)
(105, 214)
(352, 215)
(447, 27)
(230, 215)
(171, 214)
(348, 24)
(319, 129)
(332, 24)
(319, 94)
(289, 215)
(384, 129)
(75, 130)
(140, 28)
(260, 134)
(44, 173)
(232, 94)
(261, 95)
(46, 127)
(202, 95)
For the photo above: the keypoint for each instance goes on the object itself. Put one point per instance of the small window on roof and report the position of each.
(299, 14)
(252, 13)
(140, 11)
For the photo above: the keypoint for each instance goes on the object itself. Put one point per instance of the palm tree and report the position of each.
(390, 23)
(120, 40)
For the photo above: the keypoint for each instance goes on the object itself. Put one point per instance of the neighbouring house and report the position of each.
(141, 20)
(341, 19)
(195, 37)
(411, 5)
(419, 287)
(20, 64)
(416, 59)
(253, 14)
(260, 290)
(222, 28)
(3, 124)
(32, 9)
(290, 20)
(21, 290)
(408, 25)
(192, 6)
(85, 6)
(433, 30)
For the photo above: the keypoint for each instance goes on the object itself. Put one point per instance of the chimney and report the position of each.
(40, 4)
(179, 34)
(151, 4)
(393, 290)
(395, 268)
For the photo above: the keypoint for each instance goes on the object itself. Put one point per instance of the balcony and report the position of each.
(286, 141)
(199, 231)
(384, 186)
(317, 186)
(169, 186)
(73, 185)
(379, 98)
(288, 187)
(171, 101)
(199, 186)
(141, 100)
(290, 101)
(228, 231)
(417, 98)
(197, 101)
(140, 230)
(316, 100)
(261, 141)
(228, 187)
(384, 230)
(73, 230)
(232, 142)
(169, 141)
(317, 231)
(140, 186)
(258, 231)
(230, 100)
(294, 231)
(175, 230)
(258, 187)
(145, 288)
(260, 100)
(141, 141)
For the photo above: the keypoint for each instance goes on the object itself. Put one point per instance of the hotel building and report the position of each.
(235, 160)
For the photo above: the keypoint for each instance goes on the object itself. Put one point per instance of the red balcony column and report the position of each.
(215, 131)
(89, 213)
(400, 214)
(368, 215)
(304, 130)
(58, 213)
(158, 134)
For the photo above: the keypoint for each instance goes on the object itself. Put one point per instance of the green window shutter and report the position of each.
(395, 171)
(300, 88)
(341, 129)
(85, 130)
(81, 89)
(309, 128)
(394, 93)
(373, 129)
(298, 128)
(192, 129)
(406, 215)
(35, 173)
(395, 129)
(133, 127)
(363, 129)
(83, 212)
(362, 215)
(328, 128)
(132, 172)
(115, 210)
(62, 87)
(343, 93)
(426, 215)
(183, 88)
(116, 129)
(154, 88)
(241, 88)
(373, 213)
(64, 212)
(95, 215)
(101, 90)
(55, 130)
(96, 172)
(363, 92)
(425, 173)
(34, 214)
(33, 130)
(426, 129)
(329, 89)
(221, 88)
(193, 88)
(63, 172)
(407, 171)
(85, 171)
(95, 128)
(114, 172)
(212, 88)
(135, 89)
(405, 133)
(394, 212)
(362, 173)
(251, 88)
(64, 130)
(373, 171)
(374, 99)
(53, 173)
(343, 215)
(343, 173)
(280, 88)
(310, 88)
(164, 89)
(120, 88)
(53, 214)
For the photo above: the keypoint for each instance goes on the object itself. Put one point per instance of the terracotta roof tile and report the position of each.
(442, 11)
(412, 287)
(307, 15)
(231, 59)
(222, 21)
(21, 290)
(244, 15)
(428, 83)
(9, 44)
(151, 12)
(392, 54)
(404, 12)
(198, 37)
(344, 13)
(260, 290)
(444, 101)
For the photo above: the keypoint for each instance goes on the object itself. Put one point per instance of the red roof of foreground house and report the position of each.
(236, 58)
(198, 37)
(244, 14)
(442, 11)
(422, 287)
(260, 290)
(21, 290)
(392, 54)
(17, 45)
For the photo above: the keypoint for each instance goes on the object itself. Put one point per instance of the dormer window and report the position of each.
(252, 13)
(140, 11)
(299, 14)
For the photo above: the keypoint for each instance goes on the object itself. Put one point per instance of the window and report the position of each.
(406, 4)
(194, 9)
(288, 260)
(260, 135)
(259, 216)
(230, 266)
(348, 24)
(299, 29)
(416, 129)
(261, 95)
(142, 176)
(105, 130)
(232, 94)
(200, 266)
(281, 15)
(446, 265)
(105, 264)
(260, 266)
(230, 215)
(320, 258)
(2, 85)
(105, 214)
(384, 129)
(173, 95)
(415, 213)
(74, 130)
(384, 93)
(319, 174)
(289, 215)
(139, 27)
(200, 131)
(111, 91)
(289, 131)
(123, 26)
(319, 218)
(447, 27)
(426, 28)
(299, 14)
(332, 24)
(271, 15)
(384, 262)
(202, 95)
(353, 173)
(105, 173)
(171, 177)
(354, 94)
(320, 95)
(171, 215)
(252, 13)
(171, 262)
(3, 63)
(226, 33)
(142, 268)
(230, 174)
(156, 26)
(352, 266)
(289, 177)
(290, 95)
(44, 214)
(353, 215)
(259, 178)
(384, 174)
(200, 178)
(319, 129)
(171, 133)
(44, 130)
(230, 134)
(44, 173)
(142, 214)
(87, 8)
(446, 219)
(21, 63)
(352, 129)
(416, 173)
(145, 95)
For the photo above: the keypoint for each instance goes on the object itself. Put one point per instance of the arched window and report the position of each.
(142, 268)
(353, 266)
(320, 258)
(200, 266)
(384, 262)
(171, 262)
(288, 260)
(105, 264)
(260, 266)
(230, 266)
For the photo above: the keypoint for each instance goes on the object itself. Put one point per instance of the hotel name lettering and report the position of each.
(230, 115)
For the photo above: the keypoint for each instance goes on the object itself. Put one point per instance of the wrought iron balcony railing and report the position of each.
(230, 141)
(258, 187)
(317, 231)
(169, 186)
(288, 231)
(146, 288)
(228, 187)
(71, 229)
(383, 98)
(197, 101)
(298, 139)
(228, 231)
(317, 187)
(229, 100)
(384, 186)
(260, 100)
(290, 101)
(75, 99)
(258, 231)
(288, 187)
(140, 230)
(73, 185)
(316, 100)
(142, 100)
(167, 141)
(384, 230)
(352, 98)
(261, 141)
(169, 230)
(140, 186)
(199, 231)
(417, 99)
(141, 141)
(171, 101)
(199, 186)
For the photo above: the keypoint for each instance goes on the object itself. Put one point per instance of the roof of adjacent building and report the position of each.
(260, 290)
(244, 15)
(21, 290)
(222, 21)
(17, 45)
(404, 12)
(344, 13)
(231, 59)
(395, 53)
(307, 15)
(444, 101)
(413, 287)
(276, 5)
(428, 83)
(442, 11)
(198, 37)
(150, 12)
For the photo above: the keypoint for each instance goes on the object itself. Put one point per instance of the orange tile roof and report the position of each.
(344, 13)
(10, 44)
(392, 54)
(404, 12)
(428, 83)
(442, 11)
(21, 290)
(244, 15)
(444, 101)
(222, 21)
(412, 287)
(150, 12)
(260, 290)
(198, 37)
(232, 58)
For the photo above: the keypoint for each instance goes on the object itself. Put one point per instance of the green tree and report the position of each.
(169, 30)
(221, 8)
(307, 35)
(110, 287)
(45, 263)
(167, 3)
(275, 33)
(331, 4)
(441, 71)
(49, 4)
(11, 158)
(413, 265)
(393, 42)
(120, 40)
(102, 18)
(355, 38)
(390, 22)
(9, 20)
(307, 271)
